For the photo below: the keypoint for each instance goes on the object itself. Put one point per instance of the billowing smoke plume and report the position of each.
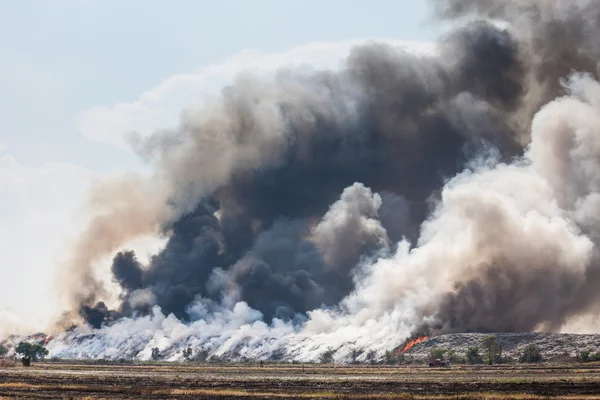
(405, 194)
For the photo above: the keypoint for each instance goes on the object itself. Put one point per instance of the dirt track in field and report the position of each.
(164, 381)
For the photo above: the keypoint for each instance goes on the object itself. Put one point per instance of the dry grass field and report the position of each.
(197, 381)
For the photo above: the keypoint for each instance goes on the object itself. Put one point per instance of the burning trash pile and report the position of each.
(411, 343)
(551, 345)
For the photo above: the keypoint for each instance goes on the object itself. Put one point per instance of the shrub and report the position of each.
(531, 354)
(473, 356)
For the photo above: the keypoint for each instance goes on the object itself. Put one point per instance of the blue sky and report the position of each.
(77, 75)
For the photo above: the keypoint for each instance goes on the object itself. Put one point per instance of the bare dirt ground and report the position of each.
(170, 381)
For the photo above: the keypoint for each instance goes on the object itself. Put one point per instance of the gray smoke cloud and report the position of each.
(403, 195)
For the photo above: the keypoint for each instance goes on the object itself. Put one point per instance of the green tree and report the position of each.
(493, 349)
(531, 354)
(584, 356)
(3, 351)
(34, 351)
(436, 353)
(473, 356)
(453, 357)
(155, 353)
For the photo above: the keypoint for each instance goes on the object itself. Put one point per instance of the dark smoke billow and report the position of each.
(404, 194)
(390, 120)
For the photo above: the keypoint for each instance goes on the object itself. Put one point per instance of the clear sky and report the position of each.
(76, 75)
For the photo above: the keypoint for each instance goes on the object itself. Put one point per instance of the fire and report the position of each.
(413, 342)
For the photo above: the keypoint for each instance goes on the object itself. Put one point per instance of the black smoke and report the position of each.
(404, 135)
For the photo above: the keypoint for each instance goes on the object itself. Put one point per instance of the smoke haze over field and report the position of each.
(404, 194)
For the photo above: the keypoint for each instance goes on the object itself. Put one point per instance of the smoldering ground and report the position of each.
(403, 193)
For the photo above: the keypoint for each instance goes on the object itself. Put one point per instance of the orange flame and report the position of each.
(413, 342)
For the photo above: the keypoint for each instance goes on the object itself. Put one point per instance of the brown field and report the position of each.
(198, 381)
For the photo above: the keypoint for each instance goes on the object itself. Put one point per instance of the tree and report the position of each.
(34, 352)
(3, 351)
(473, 356)
(436, 353)
(493, 350)
(587, 355)
(531, 354)
(155, 353)
(453, 357)
(584, 356)
(187, 353)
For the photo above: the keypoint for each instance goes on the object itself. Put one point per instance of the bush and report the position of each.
(473, 356)
(531, 354)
